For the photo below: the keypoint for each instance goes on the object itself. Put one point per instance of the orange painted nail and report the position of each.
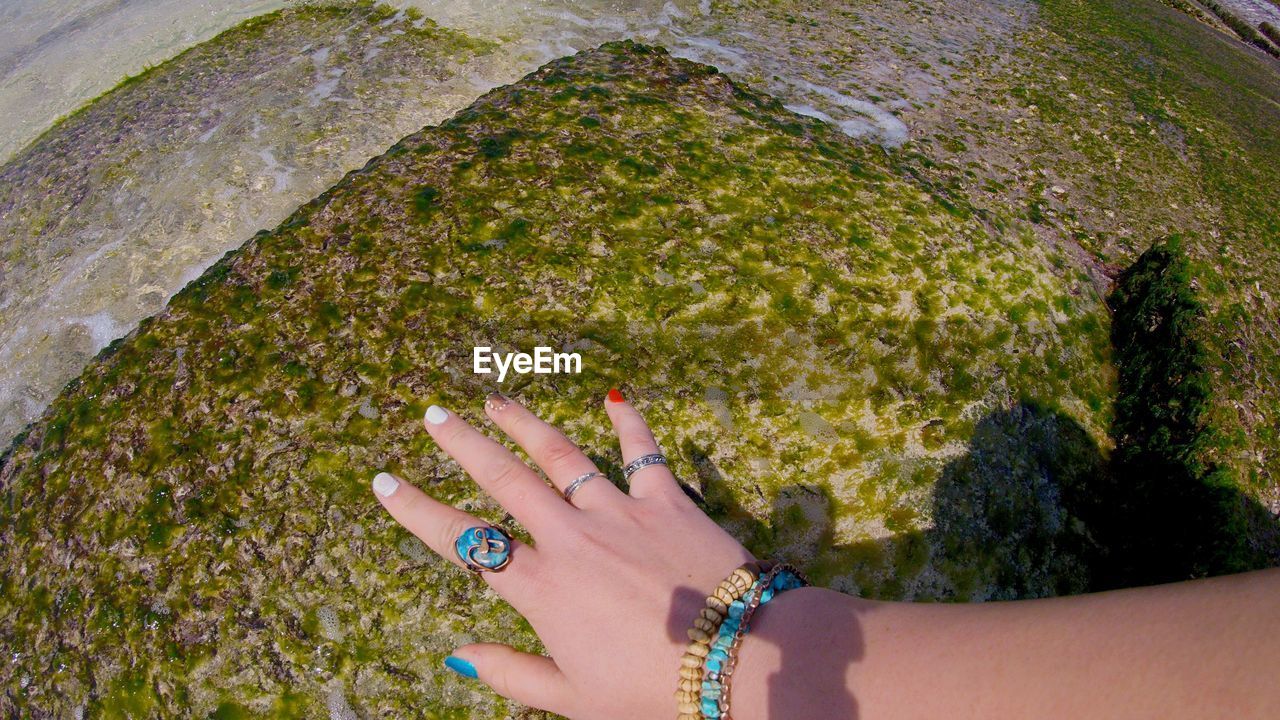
(614, 395)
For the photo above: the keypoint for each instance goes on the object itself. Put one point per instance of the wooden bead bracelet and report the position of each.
(708, 662)
(724, 654)
(705, 629)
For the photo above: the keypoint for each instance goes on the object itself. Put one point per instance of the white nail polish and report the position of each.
(437, 414)
(384, 484)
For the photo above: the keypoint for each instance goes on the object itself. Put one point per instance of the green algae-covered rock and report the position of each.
(848, 366)
(1110, 124)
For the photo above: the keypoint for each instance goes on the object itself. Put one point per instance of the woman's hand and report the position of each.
(613, 579)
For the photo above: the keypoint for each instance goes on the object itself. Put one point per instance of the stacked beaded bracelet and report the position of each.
(707, 665)
(718, 669)
(705, 628)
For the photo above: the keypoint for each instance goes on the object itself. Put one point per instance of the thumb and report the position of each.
(533, 680)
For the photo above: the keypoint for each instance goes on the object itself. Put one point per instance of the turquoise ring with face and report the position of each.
(484, 548)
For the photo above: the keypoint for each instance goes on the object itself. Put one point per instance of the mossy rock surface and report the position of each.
(814, 334)
(1105, 125)
(1113, 124)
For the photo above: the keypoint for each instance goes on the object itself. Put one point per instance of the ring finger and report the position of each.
(559, 457)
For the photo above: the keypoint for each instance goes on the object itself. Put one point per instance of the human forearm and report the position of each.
(1199, 649)
(612, 583)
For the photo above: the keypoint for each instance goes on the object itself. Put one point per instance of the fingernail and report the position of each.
(496, 401)
(614, 395)
(437, 414)
(384, 484)
(460, 666)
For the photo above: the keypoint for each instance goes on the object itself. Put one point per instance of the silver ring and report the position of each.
(579, 482)
(643, 461)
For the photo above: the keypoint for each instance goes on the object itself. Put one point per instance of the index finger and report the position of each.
(438, 526)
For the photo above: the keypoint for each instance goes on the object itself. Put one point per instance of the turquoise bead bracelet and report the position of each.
(720, 661)
(706, 627)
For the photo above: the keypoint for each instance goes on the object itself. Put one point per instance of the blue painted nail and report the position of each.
(460, 666)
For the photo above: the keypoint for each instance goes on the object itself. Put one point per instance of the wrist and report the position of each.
(799, 658)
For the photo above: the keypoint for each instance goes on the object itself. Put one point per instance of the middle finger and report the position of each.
(497, 471)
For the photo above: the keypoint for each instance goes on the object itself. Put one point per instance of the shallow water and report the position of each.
(1254, 11)
(55, 55)
(864, 67)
